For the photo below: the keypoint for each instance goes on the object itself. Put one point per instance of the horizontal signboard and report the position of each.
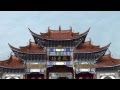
(57, 50)
(34, 70)
(59, 63)
(35, 66)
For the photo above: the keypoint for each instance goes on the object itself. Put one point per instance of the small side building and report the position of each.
(12, 68)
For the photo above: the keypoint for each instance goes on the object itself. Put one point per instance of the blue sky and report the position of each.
(105, 27)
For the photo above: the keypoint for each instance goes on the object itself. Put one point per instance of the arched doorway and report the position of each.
(84, 75)
(62, 78)
(108, 77)
(34, 75)
(12, 77)
(60, 72)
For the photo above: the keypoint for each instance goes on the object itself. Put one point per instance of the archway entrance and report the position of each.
(107, 77)
(34, 76)
(60, 72)
(84, 75)
(12, 77)
(62, 78)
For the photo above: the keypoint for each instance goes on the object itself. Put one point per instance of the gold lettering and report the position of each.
(59, 58)
(64, 58)
(59, 46)
(54, 59)
(35, 66)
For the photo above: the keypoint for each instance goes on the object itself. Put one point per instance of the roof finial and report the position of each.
(90, 41)
(70, 28)
(29, 40)
(109, 52)
(49, 31)
(29, 43)
(48, 28)
(59, 28)
(11, 54)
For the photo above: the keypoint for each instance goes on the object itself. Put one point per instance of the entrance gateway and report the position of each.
(60, 72)
(61, 75)
(34, 75)
(84, 75)
(66, 47)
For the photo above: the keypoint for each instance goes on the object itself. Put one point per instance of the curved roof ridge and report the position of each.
(107, 61)
(88, 49)
(56, 36)
(12, 62)
(28, 50)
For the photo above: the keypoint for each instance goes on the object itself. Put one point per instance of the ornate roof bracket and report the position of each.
(38, 36)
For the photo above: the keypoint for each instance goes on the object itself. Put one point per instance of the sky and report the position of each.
(105, 27)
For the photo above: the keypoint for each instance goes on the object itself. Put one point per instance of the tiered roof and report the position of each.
(89, 47)
(104, 61)
(59, 34)
(107, 61)
(32, 48)
(12, 62)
